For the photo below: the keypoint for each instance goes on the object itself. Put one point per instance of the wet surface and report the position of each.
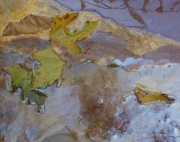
(19, 51)
(100, 42)
(111, 111)
(158, 17)
(171, 53)
(96, 98)
(28, 43)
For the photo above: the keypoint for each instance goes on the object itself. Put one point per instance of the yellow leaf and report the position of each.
(50, 70)
(144, 96)
(61, 36)
(20, 78)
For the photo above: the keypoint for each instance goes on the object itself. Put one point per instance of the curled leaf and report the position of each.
(144, 96)
(61, 36)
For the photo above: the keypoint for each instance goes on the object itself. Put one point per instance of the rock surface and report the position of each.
(96, 100)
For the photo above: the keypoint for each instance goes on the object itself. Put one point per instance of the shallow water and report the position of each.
(94, 100)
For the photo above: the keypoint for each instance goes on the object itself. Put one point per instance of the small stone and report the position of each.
(100, 101)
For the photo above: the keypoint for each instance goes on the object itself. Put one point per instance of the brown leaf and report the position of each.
(82, 5)
(145, 4)
(136, 16)
(31, 24)
(174, 5)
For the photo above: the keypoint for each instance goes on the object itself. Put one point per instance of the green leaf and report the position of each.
(144, 96)
(20, 78)
(37, 97)
(50, 70)
(61, 36)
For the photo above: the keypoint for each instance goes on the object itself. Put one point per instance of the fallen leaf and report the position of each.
(31, 24)
(20, 78)
(144, 96)
(50, 70)
(61, 36)
(136, 16)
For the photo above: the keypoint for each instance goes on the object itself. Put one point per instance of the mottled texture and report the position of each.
(95, 99)
(158, 17)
